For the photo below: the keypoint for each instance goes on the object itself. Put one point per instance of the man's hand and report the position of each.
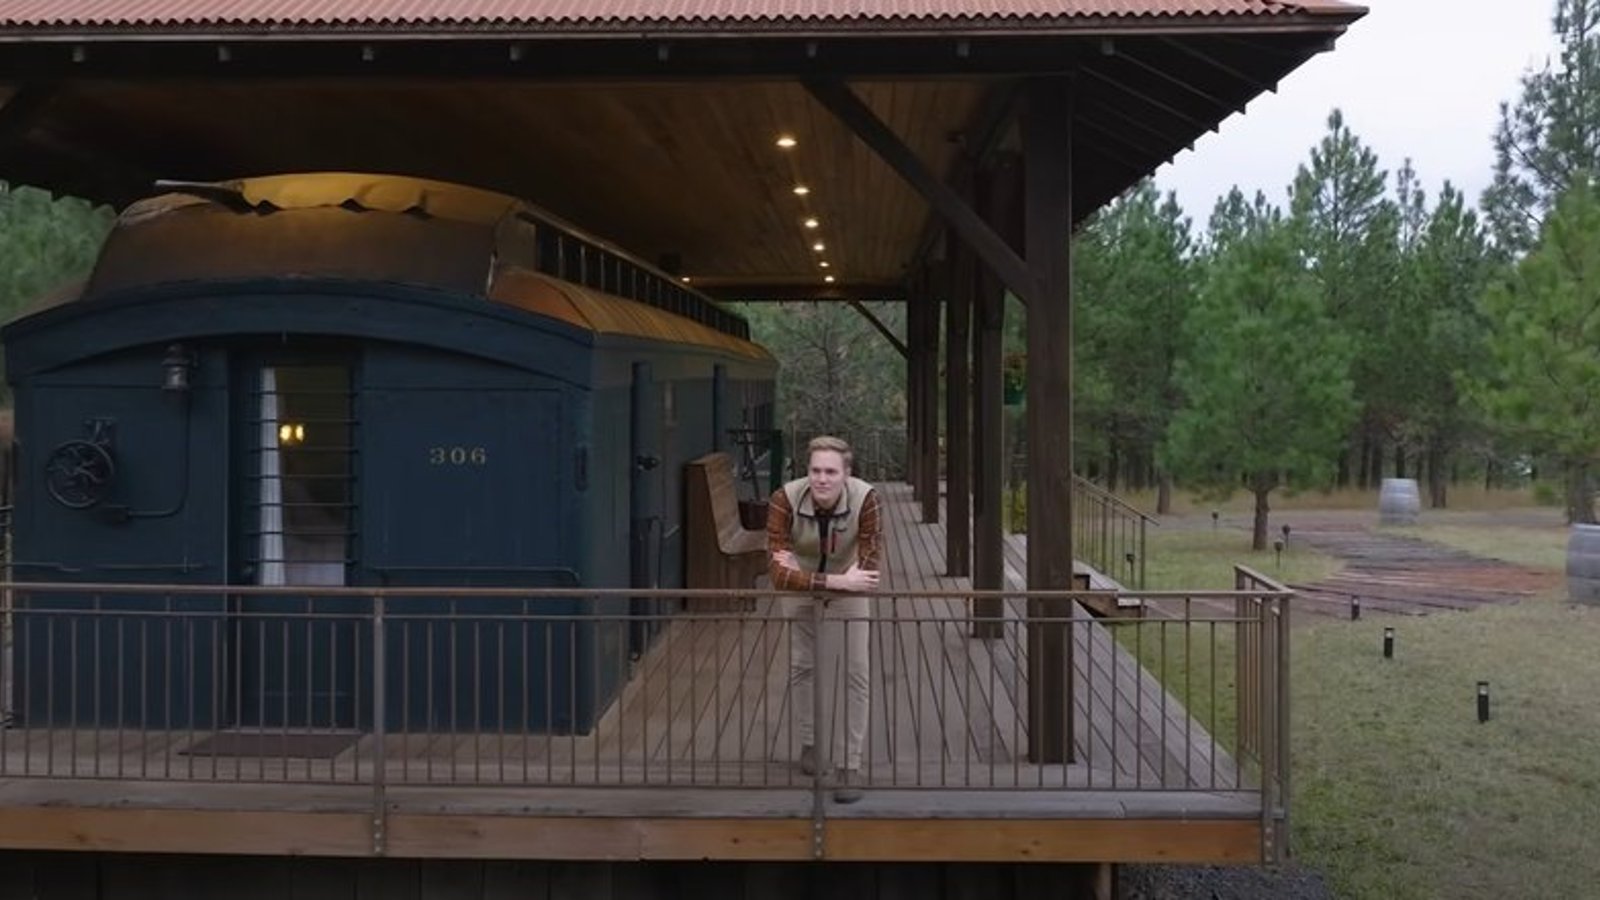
(854, 580)
(785, 560)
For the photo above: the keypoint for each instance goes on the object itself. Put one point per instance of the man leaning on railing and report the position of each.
(825, 537)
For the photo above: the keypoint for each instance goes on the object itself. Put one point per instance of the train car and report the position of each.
(324, 380)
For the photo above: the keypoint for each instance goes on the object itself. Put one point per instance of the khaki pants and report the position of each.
(844, 625)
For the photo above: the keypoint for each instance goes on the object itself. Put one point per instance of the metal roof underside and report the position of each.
(652, 124)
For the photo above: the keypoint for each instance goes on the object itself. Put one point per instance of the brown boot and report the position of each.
(848, 788)
(808, 760)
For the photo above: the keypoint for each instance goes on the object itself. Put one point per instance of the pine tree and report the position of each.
(44, 245)
(1550, 138)
(1448, 266)
(1544, 343)
(1265, 378)
(1133, 284)
(1349, 235)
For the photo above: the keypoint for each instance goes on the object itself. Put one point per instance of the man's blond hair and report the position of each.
(836, 444)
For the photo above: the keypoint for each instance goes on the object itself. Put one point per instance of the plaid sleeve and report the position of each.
(869, 535)
(780, 516)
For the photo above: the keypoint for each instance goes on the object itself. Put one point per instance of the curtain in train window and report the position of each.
(305, 501)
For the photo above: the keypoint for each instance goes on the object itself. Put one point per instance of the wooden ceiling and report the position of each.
(690, 171)
(670, 154)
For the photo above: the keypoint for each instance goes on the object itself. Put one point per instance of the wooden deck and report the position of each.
(695, 760)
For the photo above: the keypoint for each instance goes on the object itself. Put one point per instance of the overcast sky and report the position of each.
(1416, 78)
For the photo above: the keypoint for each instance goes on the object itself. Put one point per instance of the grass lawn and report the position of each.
(1399, 792)
(1204, 559)
(1461, 497)
(1201, 558)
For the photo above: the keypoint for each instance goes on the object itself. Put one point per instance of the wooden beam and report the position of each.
(784, 293)
(839, 99)
(1047, 145)
(1146, 99)
(1160, 74)
(914, 361)
(928, 393)
(957, 416)
(234, 831)
(999, 195)
(1186, 47)
(597, 838)
(1039, 840)
(979, 143)
(890, 336)
(1120, 136)
(608, 838)
(1123, 119)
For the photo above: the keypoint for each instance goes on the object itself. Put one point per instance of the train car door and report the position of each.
(463, 487)
(295, 655)
(644, 503)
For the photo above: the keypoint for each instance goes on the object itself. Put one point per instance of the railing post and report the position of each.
(6, 642)
(379, 708)
(1284, 768)
(1267, 683)
(823, 741)
(1143, 537)
(1106, 564)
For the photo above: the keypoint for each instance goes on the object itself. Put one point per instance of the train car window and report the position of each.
(571, 259)
(591, 267)
(549, 244)
(304, 493)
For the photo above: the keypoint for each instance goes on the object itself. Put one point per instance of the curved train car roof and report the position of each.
(388, 228)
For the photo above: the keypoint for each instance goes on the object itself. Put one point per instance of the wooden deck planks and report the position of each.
(1121, 711)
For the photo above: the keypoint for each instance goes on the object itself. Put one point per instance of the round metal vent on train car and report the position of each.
(78, 473)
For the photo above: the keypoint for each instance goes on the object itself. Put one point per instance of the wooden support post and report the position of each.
(928, 469)
(914, 360)
(1047, 148)
(999, 194)
(957, 418)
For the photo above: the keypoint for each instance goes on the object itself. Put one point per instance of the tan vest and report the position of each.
(844, 526)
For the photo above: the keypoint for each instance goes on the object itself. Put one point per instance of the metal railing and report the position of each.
(1109, 533)
(7, 515)
(1263, 697)
(542, 688)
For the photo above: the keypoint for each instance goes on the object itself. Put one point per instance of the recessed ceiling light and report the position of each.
(787, 142)
(684, 279)
(818, 246)
(823, 264)
(828, 279)
(812, 223)
(801, 190)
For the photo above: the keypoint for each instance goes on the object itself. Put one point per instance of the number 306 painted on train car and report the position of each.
(457, 456)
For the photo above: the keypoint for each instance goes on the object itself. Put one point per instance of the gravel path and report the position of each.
(1155, 882)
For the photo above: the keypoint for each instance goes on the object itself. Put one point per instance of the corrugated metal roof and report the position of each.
(610, 14)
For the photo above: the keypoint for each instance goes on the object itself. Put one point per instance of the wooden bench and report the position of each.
(719, 551)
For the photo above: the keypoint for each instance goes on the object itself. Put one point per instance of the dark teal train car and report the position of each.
(346, 380)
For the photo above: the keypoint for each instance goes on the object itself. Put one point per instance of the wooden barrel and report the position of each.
(1398, 502)
(1583, 564)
